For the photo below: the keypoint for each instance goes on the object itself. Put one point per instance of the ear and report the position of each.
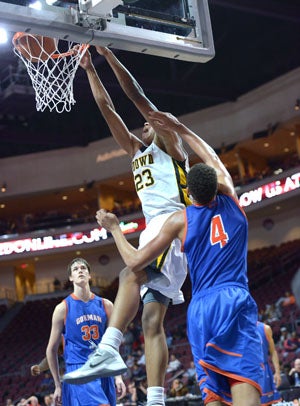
(189, 194)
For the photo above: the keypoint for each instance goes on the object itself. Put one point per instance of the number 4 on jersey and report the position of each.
(218, 234)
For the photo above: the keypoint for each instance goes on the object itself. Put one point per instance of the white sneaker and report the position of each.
(103, 362)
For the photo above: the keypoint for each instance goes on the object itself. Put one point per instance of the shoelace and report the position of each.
(93, 346)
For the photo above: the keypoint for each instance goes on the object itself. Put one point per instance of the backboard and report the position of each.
(177, 29)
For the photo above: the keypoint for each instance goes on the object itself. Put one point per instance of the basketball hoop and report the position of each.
(51, 65)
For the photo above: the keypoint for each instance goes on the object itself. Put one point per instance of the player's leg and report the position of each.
(244, 394)
(127, 301)
(165, 277)
(156, 350)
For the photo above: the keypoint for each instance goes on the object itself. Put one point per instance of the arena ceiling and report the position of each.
(255, 41)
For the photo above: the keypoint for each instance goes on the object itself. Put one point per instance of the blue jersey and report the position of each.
(270, 394)
(216, 244)
(222, 315)
(85, 324)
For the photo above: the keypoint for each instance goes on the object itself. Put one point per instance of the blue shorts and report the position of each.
(224, 339)
(98, 392)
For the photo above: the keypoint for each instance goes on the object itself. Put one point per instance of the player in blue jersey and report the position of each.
(159, 166)
(222, 315)
(270, 394)
(80, 320)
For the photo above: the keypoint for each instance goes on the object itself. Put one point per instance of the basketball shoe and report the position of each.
(104, 361)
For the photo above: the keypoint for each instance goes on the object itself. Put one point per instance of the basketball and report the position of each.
(34, 47)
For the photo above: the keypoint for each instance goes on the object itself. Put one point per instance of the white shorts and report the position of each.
(172, 266)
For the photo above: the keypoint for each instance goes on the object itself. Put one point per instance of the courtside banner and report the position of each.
(72, 239)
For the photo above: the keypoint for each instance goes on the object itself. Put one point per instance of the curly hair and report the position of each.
(202, 183)
(82, 260)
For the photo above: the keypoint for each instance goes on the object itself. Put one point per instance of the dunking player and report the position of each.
(159, 170)
(222, 315)
(81, 319)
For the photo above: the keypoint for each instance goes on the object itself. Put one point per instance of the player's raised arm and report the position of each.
(115, 123)
(166, 139)
(129, 84)
(205, 152)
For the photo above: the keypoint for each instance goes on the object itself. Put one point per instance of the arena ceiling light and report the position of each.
(37, 5)
(3, 36)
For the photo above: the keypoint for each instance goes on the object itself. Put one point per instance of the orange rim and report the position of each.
(18, 35)
(82, 48)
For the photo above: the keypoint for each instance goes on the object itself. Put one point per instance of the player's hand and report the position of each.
(120, 387)
(35, 370)
(86, 60)
(163, 120)
(57, 396)
(107, 220)
(277, 379)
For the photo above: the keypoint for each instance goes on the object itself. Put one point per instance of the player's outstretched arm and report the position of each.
(135, 259)
(166, 139)
(129, 84)
(205, 152)
(104, 102)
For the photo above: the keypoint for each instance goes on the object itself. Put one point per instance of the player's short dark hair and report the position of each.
(202, 182)
(82, 260)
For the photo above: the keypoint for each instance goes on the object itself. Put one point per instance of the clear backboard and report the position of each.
(177, 29)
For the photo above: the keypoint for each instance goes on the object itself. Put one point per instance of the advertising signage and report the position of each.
(72, 239)
(254, 196)
(270, 190)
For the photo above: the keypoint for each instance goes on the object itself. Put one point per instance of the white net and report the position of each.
(51, 70)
